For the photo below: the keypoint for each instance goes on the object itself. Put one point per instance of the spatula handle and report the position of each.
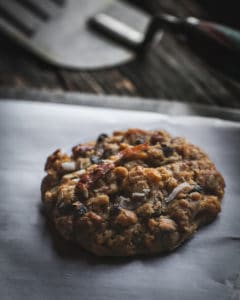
(116, 30)
(222, 35)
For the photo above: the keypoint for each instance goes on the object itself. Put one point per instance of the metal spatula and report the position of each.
(224, 37)
(58, 32)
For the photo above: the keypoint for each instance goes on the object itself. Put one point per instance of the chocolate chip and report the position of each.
(156, 139)
(137, 240)
(95, 159)
(107, 153)
(102, 137)
(80, 210)
(64, 209)
(167, 151)
(156, 214)
(115, 209)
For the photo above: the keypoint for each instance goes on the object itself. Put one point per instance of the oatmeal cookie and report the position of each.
(132, 192)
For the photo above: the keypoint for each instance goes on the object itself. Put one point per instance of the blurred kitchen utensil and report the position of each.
(223, 36)
(57, 32)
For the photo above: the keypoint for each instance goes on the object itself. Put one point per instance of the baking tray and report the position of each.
(36, 264)
(170, 107)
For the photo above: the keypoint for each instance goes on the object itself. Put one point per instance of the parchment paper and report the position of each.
(36, 265)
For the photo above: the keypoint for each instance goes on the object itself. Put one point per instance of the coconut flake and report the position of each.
(124, 202)
(177, 190)
(75, 179)
(69, 176)
(138, 195)
(74, 174)
(80, 172)
(69, 166)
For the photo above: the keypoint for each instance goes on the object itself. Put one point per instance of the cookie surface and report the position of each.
(134, 192)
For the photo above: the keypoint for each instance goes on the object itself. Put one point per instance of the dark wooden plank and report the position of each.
(173, 70)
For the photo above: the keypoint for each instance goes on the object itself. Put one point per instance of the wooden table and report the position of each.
(174, 70)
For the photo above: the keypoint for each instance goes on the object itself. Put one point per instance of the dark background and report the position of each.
(177, 69)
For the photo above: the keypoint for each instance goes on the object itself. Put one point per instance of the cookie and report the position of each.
(133, 192)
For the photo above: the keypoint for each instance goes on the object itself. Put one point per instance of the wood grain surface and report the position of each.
(177, 69)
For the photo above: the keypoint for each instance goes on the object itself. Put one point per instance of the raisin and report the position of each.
(102, 137)
(87, 180)
(167, 151)
(82, 150)
(139, 141)
(156, 139)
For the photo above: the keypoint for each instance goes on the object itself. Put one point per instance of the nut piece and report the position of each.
(121, 172)
(94, 217)
(211, 206)
(126, 218)
(148, 209)
(51, 195)
(100, 200)
(162, 224)
(99, 203)
(153, 175)
(167, 224)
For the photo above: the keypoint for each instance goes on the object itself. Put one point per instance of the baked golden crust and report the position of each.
(134, 192)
